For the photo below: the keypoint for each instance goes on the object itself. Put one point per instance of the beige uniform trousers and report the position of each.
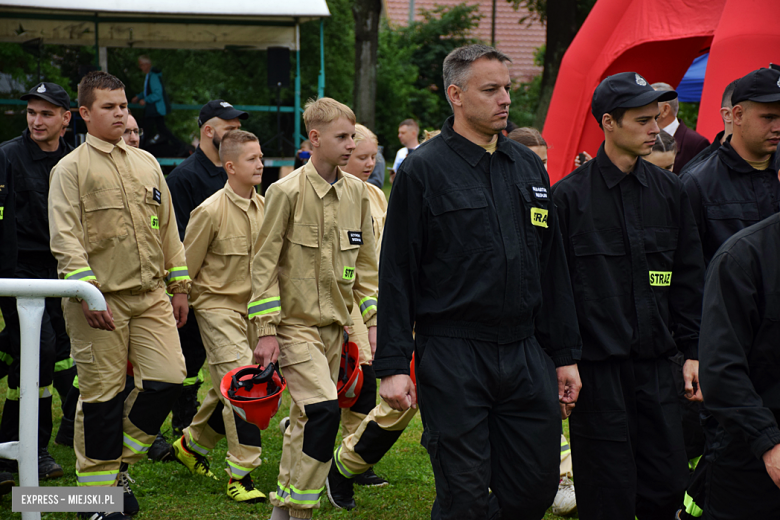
(227, 336)
(566, 468)
(309, 358)
(146, 336)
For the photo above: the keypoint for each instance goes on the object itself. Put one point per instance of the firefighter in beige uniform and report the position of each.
(112, 224)
(222, 237)
(317, 259)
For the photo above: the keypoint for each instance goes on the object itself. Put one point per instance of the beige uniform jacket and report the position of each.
(318, 254)
(111, 220)
(378, 203)
(222, 238)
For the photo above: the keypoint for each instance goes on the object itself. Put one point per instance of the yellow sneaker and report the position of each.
(197, 464)
(244, 491)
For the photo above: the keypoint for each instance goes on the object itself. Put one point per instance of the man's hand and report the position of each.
(103, 320)
(142, 102)
(134, 100)
(578, 163)
(266, 351)
(772, 463)
(398, 391)
(181, 309)
(569, 386)
(691, 377)
(372, 342)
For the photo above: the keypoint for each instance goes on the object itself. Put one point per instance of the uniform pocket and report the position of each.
(430, 441)
(349, 245)
(461, 217)
(231, 256)
(81, 352)
(304, 244)
(600, 263)
(293, 354)
(104, 214)
(602, 426)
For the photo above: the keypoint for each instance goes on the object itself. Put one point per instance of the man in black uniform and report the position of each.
(725, 115)
(738, 186)
(740, 374)
(636, 268)
(477, 269)
(193, 181)
(26, 162)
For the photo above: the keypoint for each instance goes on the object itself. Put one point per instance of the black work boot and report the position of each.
(371, 479)
(340, 491)
(185, 408)
(65, 433)
(161, 451)
(47, 467)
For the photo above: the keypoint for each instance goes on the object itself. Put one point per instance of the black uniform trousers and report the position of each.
(491, 420)
(737, 484)
(54, 346)
(628, 451)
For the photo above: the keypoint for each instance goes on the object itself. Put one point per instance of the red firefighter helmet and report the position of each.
(254, 392)
(350, 380)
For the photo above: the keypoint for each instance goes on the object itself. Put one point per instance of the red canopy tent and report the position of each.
(656, 38)
(747, 38)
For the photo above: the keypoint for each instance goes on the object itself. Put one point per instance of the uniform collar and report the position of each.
(240, 201)
(469, 151)
(320, 185)
(105, 146)
(613, 175)
(211, 168)
(735, 162)
(35, 151)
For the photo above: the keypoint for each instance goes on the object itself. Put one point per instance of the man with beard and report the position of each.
(193, 181)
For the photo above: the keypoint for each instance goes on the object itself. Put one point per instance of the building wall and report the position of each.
(518, 41)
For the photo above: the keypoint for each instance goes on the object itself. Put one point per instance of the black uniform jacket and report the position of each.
(635, 260)
(472, 249)
(704, 154)
(728, 195)
(192, 182)
(25, 169)
(740, 339)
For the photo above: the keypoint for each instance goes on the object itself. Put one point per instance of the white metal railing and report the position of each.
(30, 300)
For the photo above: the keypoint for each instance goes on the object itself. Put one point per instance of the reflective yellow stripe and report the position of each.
(690, 506)
(12, 394)
(63, 364)
(6, 358)
(84, 274)
(238, 471)
(366, 304)
(340, 464)
(266, 306)
(76, 381)
(178, 273)
(296, 496)
(97, 478)
(195, 379)
(135, 445)
(660, 278)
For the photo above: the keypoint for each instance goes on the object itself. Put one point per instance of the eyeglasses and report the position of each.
(137, 131)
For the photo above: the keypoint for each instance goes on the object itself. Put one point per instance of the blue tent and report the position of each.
(689, 89)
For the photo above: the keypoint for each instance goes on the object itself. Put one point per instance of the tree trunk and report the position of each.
(562, 27)
(366, 14)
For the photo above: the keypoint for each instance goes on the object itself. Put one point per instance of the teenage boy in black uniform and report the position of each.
(194, 180)
(740, 374)
(476, 268)
(738, 186)
(636, 268)
(25, 163)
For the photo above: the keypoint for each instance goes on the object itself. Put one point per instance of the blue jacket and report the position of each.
(154, 94)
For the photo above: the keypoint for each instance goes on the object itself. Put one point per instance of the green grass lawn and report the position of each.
(167, 491)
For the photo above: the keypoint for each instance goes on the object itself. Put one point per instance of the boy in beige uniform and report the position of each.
(222, 237)
(112, 224)
(317, 259)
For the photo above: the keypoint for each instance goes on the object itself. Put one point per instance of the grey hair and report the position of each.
(458, 63)
(665, 87)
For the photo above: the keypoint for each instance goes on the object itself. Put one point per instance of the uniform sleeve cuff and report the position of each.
(371, 321)
(566, 357)
(180, 286)
(267, 330)
(690, 351)
(391, 366)
(768, 439)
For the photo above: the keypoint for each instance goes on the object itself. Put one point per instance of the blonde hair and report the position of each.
(430, 134)
(324, 111)
(232, 143)
(362, 133)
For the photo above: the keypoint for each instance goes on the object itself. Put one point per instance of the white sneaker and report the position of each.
(565, 502)
(284, 424)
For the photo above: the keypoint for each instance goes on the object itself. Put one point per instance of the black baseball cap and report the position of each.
(625, 90)
(221, 109)
(50, 92)
(761, 86)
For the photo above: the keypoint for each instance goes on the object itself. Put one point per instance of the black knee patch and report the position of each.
(366, 401)
(319, 434)
(103, 429)
(216, 422)
(248, 433)
(153, 405)
(375, 442)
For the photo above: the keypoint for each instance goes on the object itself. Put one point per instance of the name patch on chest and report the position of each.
(539, 217)
(355, 238)
(157, 195)
(660, 278)
(540, 192)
